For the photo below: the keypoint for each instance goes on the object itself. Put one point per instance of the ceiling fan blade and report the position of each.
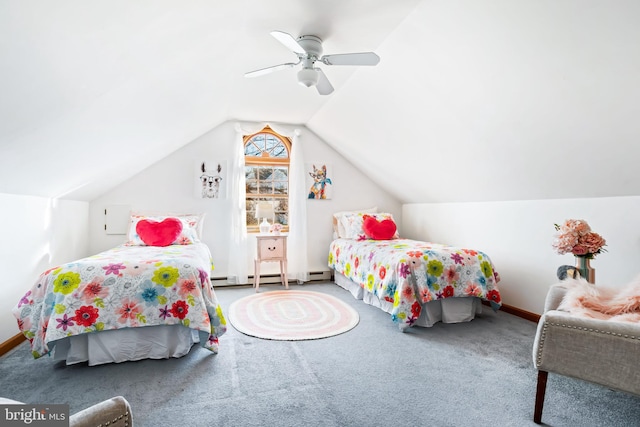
(288, 40)
(268, 70)
(362, 58)
(323, 86)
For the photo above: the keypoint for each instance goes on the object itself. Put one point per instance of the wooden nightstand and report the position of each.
(271, 248)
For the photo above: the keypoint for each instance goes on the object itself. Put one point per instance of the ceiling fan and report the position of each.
(309, 51)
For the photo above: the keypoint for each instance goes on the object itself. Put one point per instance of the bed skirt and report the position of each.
(448, 310)
(149, 342)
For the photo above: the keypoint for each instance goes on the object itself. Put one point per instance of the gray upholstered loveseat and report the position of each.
(599, 351)
(114, 412)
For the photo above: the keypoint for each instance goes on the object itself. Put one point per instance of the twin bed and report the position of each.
(148, 298)
(418, 283)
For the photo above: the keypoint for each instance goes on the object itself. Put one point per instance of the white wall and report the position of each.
(168, 186)
(517, 236)
(36, 234)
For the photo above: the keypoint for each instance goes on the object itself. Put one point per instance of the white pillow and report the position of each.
(191, 217)
(338, 226)
(353, 224)
(191, 232)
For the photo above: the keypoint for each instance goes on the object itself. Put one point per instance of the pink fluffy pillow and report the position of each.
(163, 233)
(379, 230)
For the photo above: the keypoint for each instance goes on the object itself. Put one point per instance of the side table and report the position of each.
(271, 248)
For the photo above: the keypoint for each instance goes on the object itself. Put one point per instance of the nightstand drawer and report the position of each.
(270, 249)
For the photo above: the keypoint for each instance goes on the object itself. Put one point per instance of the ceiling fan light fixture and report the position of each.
(308, 77)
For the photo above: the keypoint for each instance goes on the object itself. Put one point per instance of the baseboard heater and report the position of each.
(314, 276)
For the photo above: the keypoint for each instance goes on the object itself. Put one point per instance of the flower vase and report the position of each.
(583, 264)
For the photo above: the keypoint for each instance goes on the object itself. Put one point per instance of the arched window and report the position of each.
(266, 156)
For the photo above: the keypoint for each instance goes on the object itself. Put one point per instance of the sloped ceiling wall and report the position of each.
(472, 100)
(498, 100)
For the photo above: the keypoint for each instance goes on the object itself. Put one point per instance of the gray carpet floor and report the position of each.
(471, 374)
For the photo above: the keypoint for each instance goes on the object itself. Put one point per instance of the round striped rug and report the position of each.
(290, 315)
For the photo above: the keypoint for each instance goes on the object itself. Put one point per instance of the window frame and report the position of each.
(268, 161)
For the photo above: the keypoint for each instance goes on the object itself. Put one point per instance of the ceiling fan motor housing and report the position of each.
(312, 45)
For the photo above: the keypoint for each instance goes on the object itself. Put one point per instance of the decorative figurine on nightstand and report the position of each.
(276, 229)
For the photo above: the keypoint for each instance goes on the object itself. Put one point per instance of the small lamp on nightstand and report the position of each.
(264, 210)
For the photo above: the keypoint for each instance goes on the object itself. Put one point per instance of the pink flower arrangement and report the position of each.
(575, 237)
(276, 228)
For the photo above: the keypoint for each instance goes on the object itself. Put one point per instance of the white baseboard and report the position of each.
(314, 276)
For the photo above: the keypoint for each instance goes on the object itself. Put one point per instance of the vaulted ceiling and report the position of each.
(472, 100)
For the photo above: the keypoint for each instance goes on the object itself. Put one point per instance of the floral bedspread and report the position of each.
(124, 287)
(408, 273)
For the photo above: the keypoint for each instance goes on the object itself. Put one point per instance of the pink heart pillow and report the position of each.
(379, 230)
(154, 233)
